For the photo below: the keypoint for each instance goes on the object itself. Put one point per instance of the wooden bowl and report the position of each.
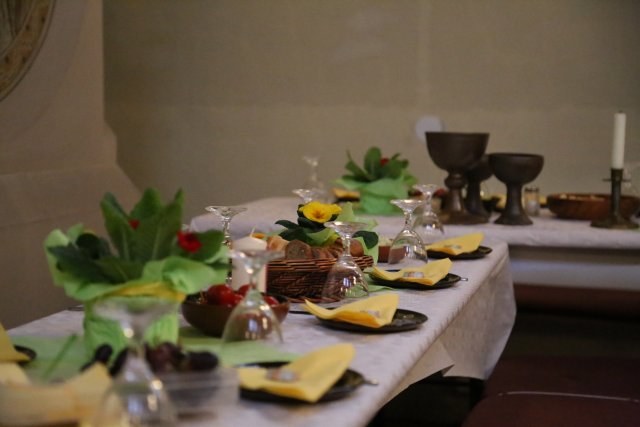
(210, 319)
(589, 207)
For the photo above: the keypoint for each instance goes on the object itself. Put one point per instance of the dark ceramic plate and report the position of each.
(446, 282)
(403, 320)
(478, 253)
(346, 385)
(25, 350)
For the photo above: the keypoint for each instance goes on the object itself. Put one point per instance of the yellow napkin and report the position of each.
(457, 245)
(429, 274)
(310, 376)
(341, 193)
(24, 404)
(7, 352)
(373, 312)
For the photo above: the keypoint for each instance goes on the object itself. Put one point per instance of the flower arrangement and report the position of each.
(310, 226)
(379, 180)
(148, 255)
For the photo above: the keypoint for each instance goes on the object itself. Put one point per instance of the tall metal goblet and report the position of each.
(345, 279)
(475, 176)
(456, 152)
(515, 170)
(407, 248)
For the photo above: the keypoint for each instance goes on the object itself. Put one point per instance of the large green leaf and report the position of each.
(295, 234)
(358, 173)
(211, 244)
(72, 260)
(95, 246)
(370, 238)
(372, 162)
(116, 222)
(307, 223)
(149, 205)
(118, 270)
(287, 224)
(155, 235)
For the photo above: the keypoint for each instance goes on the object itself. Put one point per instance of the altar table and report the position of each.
(467, 328)
(551, 252)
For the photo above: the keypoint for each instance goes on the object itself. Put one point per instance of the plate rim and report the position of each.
(453, 278)
(334, 393)
(351, 327)
(485, 250)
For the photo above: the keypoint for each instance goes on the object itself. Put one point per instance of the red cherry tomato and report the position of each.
(228, 299)
(271, 300)
(237, 298)
(242, 290)
(216, 293)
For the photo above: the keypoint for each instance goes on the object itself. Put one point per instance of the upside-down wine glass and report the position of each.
(345, 279)
(428, 224)
(226, 213)
(306, 195)
(313, 182)
(253, 318)
(407, 248)
(136, 396)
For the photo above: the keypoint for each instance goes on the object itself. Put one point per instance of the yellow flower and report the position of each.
(319, 212)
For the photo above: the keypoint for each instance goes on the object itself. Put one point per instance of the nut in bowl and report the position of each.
(209, 311)
(589, 207)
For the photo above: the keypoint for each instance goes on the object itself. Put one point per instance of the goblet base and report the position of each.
(617, 222)
(508, 219)
(462, 218)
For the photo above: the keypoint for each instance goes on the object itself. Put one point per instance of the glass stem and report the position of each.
(346, 246)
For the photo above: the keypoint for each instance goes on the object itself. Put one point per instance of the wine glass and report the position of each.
(226, 213)
(407, 248)
(345, 279)
(307, 195)
(253, 318)
(136, 396)
(428, 225)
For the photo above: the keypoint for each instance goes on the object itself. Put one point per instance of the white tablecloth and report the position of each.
(467, 329)
(550, 252)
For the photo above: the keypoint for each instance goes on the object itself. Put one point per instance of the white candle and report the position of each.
(617, 151)
(239, 276)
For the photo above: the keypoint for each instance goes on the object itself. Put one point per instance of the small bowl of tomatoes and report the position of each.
(208, 311)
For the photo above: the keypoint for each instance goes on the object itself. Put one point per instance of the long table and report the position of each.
(467, 328)
(552, 251)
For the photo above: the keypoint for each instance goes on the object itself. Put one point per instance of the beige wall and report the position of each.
(223, 98)
(58, 158)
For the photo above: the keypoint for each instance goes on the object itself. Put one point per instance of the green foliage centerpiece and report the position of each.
(153, 258)
(380, 180)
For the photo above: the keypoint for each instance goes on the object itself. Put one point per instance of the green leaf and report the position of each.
(117, 225)
(118, 270)
(307, 223)
(95, 246)
(370, 238)
(211, 244)
(393, 169)
(72, 260)
(149, 205)
(287, 224)
(372, 162)
(155, 235)
(295, 234)
(358, 173)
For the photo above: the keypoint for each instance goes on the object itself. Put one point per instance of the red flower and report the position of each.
(134, 223)
(384, 161)
(189, 242)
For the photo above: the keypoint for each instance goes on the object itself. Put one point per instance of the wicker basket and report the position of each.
(297, 279)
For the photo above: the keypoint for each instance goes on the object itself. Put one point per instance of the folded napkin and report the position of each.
(307, 378)
(24, 404)
(429, 274)
(457, 245)
(373, 312)
(7, 352)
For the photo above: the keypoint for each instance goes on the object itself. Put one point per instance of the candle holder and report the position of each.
(615, 219)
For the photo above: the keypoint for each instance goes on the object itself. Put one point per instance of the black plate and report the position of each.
(27, 351)
(347, 384)
(403, 320)
(478, 253)
(446, 282)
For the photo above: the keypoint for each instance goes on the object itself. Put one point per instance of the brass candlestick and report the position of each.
(615, 219)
